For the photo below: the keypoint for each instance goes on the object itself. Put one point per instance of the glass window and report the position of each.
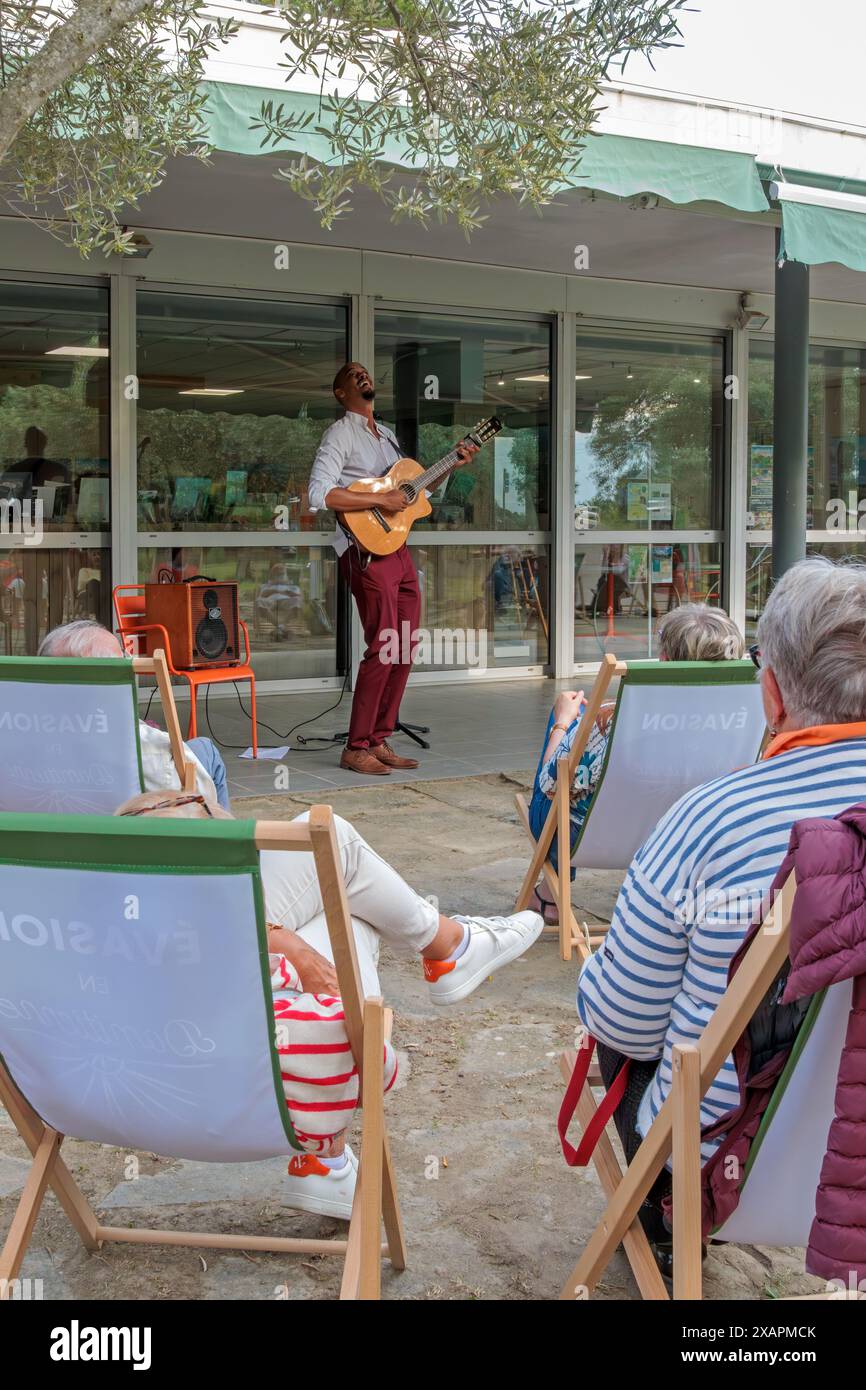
(54, 420)
(837, 438)
(54, 458)
(621, 589)
(483, 606)
(435, 377)
(836, 479)
(42, 588)
(287, 596)
(759, 571)
(649, 433)
(234, 395)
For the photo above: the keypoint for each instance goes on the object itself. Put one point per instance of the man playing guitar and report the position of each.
(385, 587)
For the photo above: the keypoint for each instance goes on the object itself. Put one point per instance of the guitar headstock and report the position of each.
(484, 430)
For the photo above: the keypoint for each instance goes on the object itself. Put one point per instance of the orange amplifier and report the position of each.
(201, 619)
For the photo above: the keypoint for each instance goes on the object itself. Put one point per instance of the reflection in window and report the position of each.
(234, 397)
(836, 478)
(41, 588)
(648, 433)
(54, 457)
(759, 570)
(287, 596)
(436, 377)
(54, 430)
(837, 438)
(490, 605)
(621, 589)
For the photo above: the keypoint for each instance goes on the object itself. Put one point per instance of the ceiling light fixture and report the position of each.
(213, 391)
(74, 350)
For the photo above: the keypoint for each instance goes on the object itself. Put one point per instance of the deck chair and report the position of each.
(69, 740)
(145, 1019)
(676, 725)
(781, 1178)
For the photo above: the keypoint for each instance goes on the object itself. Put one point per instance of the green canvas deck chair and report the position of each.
(69, 740)
(676, 725)
(777, 1194)
(137, 1011)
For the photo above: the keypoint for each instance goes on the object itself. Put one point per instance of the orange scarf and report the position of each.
(813, 737)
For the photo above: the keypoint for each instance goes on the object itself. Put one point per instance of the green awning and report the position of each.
(232, 108)
(618, 164)
(816, 235)
(624, 165)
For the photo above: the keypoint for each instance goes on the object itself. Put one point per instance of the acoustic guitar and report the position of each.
(381, 533)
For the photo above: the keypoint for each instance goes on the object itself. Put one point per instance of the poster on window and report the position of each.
(761, 486)
(663, 564)
(648, 501)
(636, 565)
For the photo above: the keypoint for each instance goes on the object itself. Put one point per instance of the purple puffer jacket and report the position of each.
(828, 944)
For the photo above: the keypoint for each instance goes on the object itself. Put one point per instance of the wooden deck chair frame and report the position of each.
(154, 666)
(676, 1133)
(705, 674)
(368, 1024)
(157, 666)
(558, 823)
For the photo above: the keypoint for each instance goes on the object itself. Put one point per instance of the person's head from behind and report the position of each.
(82, 638)
(696, 632)
(812, 645)
(174, 805)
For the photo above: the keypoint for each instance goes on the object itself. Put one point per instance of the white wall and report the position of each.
(796, 56)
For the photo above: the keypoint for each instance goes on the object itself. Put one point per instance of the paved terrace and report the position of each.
(483, 727)
(491, 1210)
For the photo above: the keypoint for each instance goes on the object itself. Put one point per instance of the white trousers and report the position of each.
(381, 903)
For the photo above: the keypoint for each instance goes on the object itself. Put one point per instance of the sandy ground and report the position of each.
(491, 1211)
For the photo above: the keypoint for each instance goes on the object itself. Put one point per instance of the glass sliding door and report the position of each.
(649, 452)
(483, 554)
(54, 460)
(235, 394)
(836, 485)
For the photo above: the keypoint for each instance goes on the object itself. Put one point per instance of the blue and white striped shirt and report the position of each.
(687, 902)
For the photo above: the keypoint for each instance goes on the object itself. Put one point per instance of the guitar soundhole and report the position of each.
(408, 491)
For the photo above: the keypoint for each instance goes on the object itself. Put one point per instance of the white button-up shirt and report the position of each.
(349, 450)
(157, 764)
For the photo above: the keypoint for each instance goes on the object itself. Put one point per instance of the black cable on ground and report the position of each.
(283, 737)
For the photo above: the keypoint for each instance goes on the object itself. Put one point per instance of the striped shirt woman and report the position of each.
(691, 893)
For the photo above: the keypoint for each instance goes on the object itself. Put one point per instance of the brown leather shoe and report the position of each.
(385, 753)
(362, 760)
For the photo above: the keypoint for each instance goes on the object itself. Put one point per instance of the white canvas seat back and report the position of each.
(777, 1202)
(68, 735)
(677, 724)
(135, 1002)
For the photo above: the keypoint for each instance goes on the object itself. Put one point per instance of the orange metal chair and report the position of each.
(129, 610)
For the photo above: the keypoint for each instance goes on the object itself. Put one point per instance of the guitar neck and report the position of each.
(436, 470)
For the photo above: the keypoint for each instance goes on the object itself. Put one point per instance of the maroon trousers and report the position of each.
(389, 606)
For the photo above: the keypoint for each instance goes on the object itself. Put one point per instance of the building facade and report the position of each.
(165, 409)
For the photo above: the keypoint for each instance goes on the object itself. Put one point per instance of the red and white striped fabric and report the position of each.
(320, 1079)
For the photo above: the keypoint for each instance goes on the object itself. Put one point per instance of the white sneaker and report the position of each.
(493, 942)
(313, 1186)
